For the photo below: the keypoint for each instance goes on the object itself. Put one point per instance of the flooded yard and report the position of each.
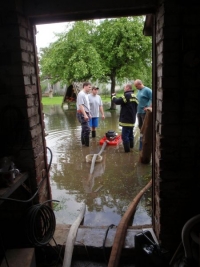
(113, 184)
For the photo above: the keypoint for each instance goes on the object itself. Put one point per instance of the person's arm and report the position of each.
(150, 97)
(102, 112)
(149, 94)
(81, 107)
(117, 101)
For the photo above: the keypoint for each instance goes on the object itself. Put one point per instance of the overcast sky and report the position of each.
(45, 33)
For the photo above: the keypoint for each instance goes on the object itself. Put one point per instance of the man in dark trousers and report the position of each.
(83, 112)
(127, 115)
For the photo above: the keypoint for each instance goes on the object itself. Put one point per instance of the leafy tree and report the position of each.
(72, 57)
(109, 50)
(125, 53)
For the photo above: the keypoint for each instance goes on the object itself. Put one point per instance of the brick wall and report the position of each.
(177, 156)
(22, 126)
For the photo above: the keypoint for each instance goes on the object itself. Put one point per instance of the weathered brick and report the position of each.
(33, 79)
(32, 111)
(26, 45)
(34, 120)
(37, 141)
(36, 130)
(23, 32)
(25, 57)
(39, 159)
(32, 59)
(30, 89)
(37, 150)
(28, 70)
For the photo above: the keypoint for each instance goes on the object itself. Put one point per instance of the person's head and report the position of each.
(128, 87)
(86, 87)
(95, 90)
(138, 84)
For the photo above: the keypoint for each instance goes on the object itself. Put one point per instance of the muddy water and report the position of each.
(114, 182)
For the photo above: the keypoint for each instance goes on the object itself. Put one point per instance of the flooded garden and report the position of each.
(114, 182)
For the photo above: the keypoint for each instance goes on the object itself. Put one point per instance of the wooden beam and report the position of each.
(50, 11)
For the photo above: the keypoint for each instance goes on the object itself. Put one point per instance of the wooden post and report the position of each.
(145, 154)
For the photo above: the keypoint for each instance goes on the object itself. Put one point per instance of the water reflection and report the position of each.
(114, 182)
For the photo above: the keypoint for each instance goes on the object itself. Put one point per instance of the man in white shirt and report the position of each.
(96, 105)
(83, 112)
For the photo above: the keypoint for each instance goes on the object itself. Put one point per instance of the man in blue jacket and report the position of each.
(127, 115)
(144, 96)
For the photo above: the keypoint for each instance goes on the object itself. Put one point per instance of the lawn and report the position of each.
(57, 100)
(48, 101)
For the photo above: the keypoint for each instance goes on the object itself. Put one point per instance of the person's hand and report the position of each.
(114, 94)
(86, 117)
(147, 108)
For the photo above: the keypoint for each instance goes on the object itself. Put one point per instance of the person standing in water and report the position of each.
(127, 115)
(83, 112)
(144, 96)
(96, 107)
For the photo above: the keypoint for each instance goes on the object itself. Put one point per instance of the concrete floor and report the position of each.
(88, 248)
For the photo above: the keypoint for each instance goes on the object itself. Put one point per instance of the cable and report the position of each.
(104, 241)
(41, 224)
(58, 252)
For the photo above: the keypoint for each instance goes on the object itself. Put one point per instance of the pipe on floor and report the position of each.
(69, 247)
(122, 228)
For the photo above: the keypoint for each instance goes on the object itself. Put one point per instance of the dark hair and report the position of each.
(86, 84)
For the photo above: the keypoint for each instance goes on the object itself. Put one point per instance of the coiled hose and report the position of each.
(41, 224)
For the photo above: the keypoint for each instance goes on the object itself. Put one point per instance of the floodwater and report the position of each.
(112, 185)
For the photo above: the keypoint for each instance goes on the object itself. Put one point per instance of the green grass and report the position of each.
(55, 100)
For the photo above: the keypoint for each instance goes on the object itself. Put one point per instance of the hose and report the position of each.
(186, 235)
(41, 224)
(71, 237)
(122, 227)
(95, 156)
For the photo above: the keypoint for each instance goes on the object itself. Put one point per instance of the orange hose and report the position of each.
(122, 228)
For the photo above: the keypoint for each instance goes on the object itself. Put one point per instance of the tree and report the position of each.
(72, 57)
(108, 50)
(125, 53)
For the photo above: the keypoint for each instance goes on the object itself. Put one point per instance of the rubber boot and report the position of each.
(87, 141)
(93, 133)
(82, 140)
(126, 147)
(131, 144)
